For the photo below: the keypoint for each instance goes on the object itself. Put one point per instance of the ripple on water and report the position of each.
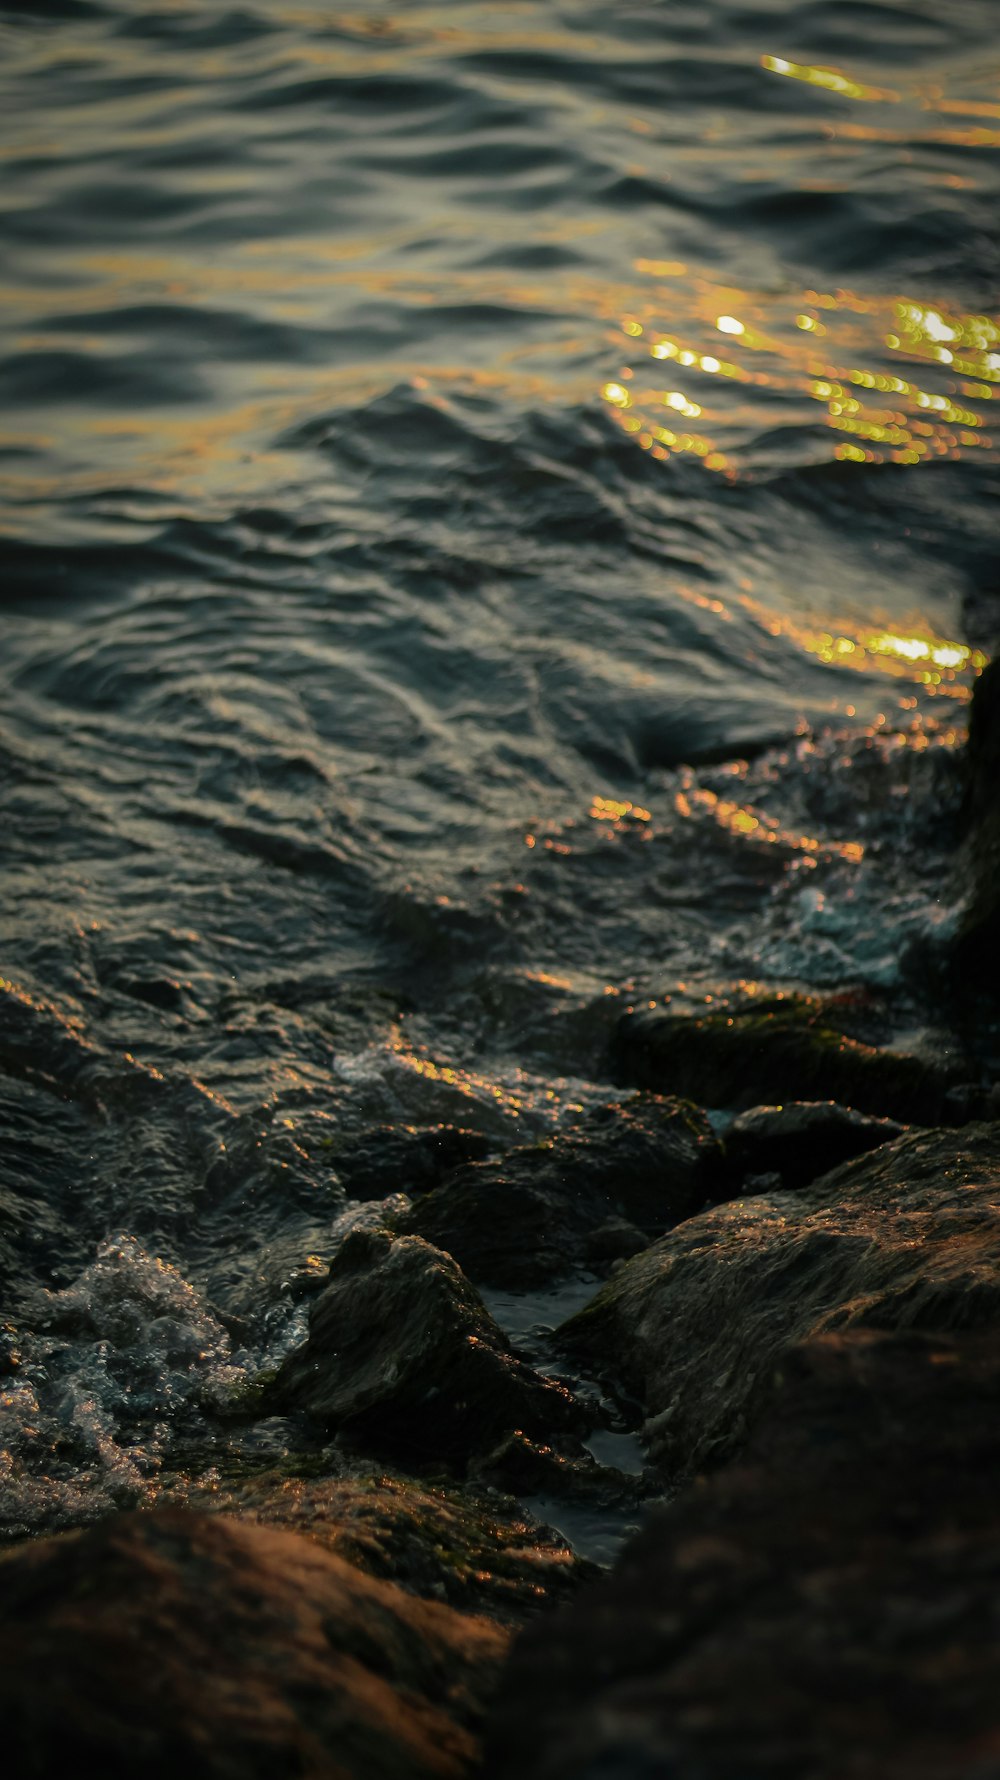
(489, 498)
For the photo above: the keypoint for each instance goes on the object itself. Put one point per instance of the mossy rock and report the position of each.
(593, 1193)
(188, 1644)
(404, 1357)
(906, 1237)
(789, 1047)
(476, 1550)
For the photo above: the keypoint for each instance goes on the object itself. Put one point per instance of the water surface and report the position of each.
(489, 498)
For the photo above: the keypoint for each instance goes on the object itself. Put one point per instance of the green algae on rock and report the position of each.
(787, 1047)
(905, 1237)
(175, 1643)
(402, 1352)
(593, 1192)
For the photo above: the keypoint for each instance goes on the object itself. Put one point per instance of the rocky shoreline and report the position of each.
(795, 1340)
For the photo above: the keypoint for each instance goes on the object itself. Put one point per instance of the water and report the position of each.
(490, 496)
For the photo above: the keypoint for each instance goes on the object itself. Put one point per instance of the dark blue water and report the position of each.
(490, 500)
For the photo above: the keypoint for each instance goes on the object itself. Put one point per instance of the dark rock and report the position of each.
(786, 1048)
(977, 945)
(402, 1351)
(593, 1192)
(983, 756)
(906, 1237)
(158, 992)
(614, 1240)
(762, 1183)
(827, 1608)
(10, 1354)
(405, 1158)
(476, 1551)
(174, 1644)
(532, 1468)
(981, 607)
(799, 1141)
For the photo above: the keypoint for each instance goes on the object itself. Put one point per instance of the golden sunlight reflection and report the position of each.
(463, 1082)
(609, 809)
(834, 80)
(938, 666)
(749, 822)
(894, 380)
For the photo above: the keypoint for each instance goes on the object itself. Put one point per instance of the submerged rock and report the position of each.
(799, 1141)
(906, 1237)
(402, 1352)
(590, 1194)
(181, 1644)
(474, 1550)
(786, 1048)
(825, 1608)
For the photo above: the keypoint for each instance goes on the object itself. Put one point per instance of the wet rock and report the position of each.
(786, 1048)
(825, 1608)
(906, 1237)
(10, 1353)
(613, 1240)
(267, 1152)
(977, 946)
(159, 992)
(174, 1643)
(533, 1468)
(404, 1158)
(402, 1352)
(475, 1550)
(799, 1141)
(591, 1193)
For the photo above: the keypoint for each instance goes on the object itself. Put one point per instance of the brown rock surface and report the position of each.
(905, 1237)
(825, 1609)
(474, 1549)
(175, 1645)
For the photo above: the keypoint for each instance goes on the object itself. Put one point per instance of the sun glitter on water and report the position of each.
(896, 380)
